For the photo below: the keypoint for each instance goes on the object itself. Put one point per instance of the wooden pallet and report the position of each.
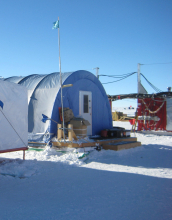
(84, 143)
(121, 145)
(94, 143)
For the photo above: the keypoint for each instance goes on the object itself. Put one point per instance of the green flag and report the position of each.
(56, 24)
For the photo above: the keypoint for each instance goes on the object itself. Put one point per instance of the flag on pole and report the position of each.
(56, 24)
(45, 118)
(1, 104)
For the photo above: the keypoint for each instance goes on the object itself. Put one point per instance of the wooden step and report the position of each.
(121, 145)
(94, 142)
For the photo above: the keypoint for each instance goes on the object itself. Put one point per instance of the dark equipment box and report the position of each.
(115, 132)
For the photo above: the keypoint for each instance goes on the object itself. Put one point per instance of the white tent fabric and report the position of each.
(13, 116)
(169, 114)
(31, 82)
(14, 79)
(42, 101)
(142, 90)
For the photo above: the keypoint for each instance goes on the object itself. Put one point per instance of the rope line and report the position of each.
(156, 63)
(150, 110)
(13, 128)
(154, 87)
(121, 78)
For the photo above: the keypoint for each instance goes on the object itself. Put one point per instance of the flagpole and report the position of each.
(61, 79)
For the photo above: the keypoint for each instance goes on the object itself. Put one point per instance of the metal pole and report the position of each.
(61, 80)
(97, 72)
(138, 77)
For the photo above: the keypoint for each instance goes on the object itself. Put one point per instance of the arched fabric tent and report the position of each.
(44, 97)
(14, 79)
(31, 82)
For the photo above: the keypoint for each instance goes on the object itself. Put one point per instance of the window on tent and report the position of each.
(85, 104)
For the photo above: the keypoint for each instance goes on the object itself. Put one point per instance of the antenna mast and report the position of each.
(138, 78)
(97, 72)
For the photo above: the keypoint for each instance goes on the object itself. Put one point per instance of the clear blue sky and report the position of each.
(114, 35)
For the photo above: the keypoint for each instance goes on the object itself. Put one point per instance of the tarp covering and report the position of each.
(13, 116)
(152, 114)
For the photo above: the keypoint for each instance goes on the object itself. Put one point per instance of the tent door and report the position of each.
(85, 108)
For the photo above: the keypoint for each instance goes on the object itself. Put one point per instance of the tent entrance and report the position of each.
(85, 108)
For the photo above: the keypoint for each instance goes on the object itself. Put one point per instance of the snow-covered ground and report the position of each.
(125, 185)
